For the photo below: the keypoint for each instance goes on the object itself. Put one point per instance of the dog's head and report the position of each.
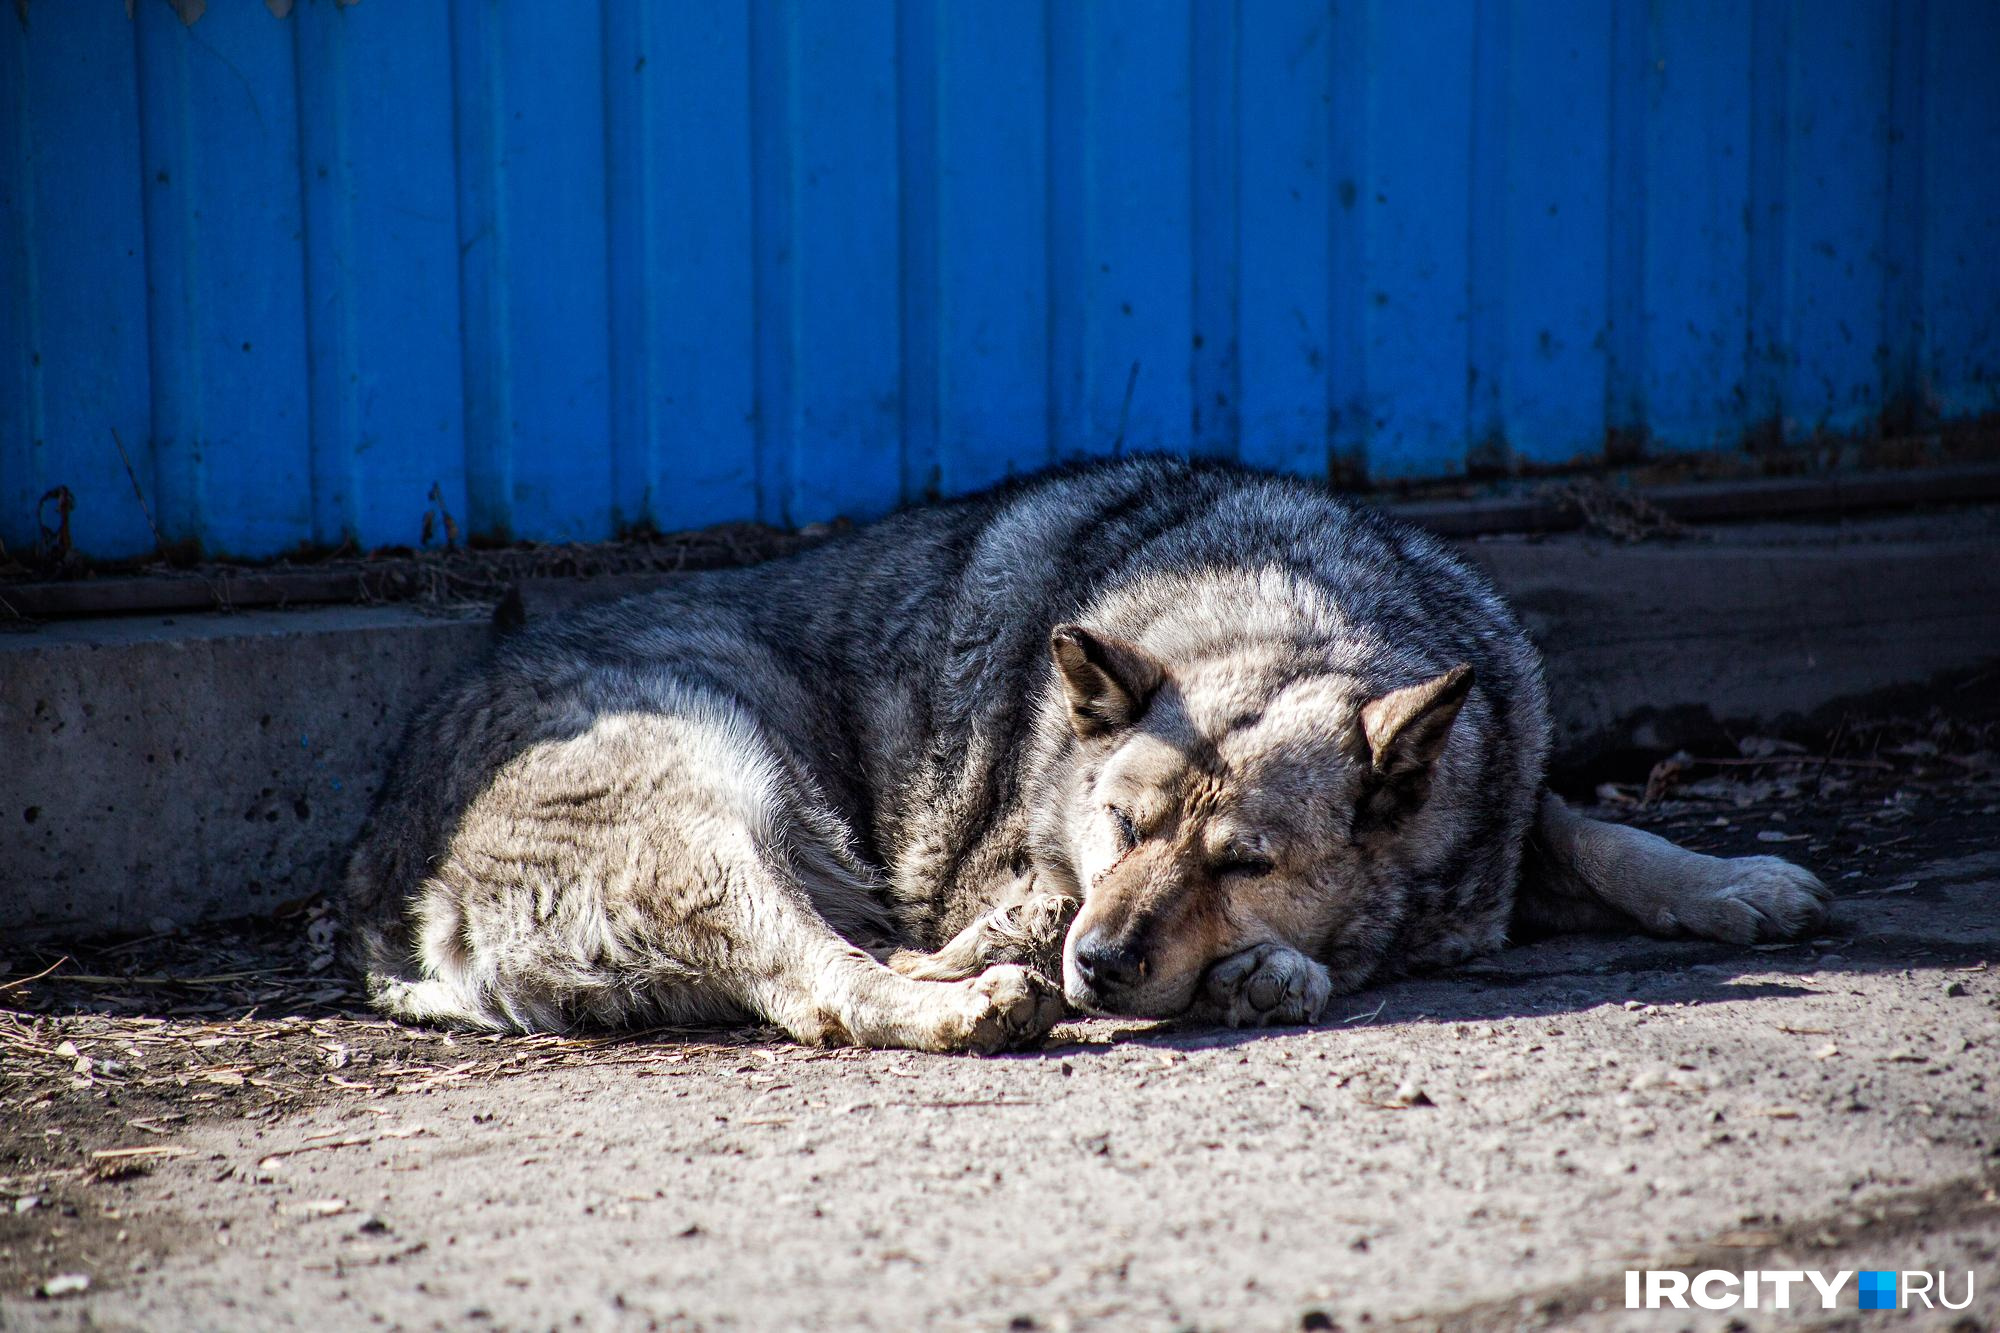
(1229, 802)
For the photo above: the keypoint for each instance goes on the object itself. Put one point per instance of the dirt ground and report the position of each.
(205, 1131)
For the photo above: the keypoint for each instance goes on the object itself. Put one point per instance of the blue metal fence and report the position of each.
(582, 265)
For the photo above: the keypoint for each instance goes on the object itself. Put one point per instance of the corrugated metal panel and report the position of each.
(559, 269)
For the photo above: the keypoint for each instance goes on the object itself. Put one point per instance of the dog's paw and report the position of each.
(1038, 923)
(1754, 899)
(1029, 932)
(1270, 984)
(1009, 1007)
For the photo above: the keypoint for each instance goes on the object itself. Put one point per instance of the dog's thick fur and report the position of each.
(1148, 737)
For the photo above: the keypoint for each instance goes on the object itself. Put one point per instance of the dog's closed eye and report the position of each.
(1249, 867)
(1128, 832)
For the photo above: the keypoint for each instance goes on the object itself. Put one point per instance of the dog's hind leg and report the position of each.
(1584, 874)
(657, 865)
(727, 929)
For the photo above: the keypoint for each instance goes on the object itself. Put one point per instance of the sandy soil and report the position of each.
(1488, 1150)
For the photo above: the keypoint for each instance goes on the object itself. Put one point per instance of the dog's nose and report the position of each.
(1107, 965)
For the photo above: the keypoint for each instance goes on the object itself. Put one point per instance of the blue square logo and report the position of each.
(1878, 1289)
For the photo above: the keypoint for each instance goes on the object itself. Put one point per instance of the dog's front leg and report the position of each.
(1271, 984)
(1027, 932)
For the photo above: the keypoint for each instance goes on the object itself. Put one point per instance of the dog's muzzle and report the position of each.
(1101, 970)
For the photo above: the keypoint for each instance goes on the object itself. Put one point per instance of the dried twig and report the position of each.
(1800, 759)
(1368, 1017)
(220, 979)
(353, 1141)
(22, 981)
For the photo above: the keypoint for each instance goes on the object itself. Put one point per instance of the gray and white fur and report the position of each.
(1148, 737)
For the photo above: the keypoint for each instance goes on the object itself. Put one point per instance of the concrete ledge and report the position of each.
(163, 770)
(1650, 646)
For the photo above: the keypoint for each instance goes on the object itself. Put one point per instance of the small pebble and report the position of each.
(1954, 989)
(1410, 1094)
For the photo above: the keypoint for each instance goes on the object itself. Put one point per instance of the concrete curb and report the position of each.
(164, 770)
(1652, 646)
(169, 770)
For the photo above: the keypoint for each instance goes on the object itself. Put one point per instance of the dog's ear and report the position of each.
(1107, 681)
(1399, 737)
